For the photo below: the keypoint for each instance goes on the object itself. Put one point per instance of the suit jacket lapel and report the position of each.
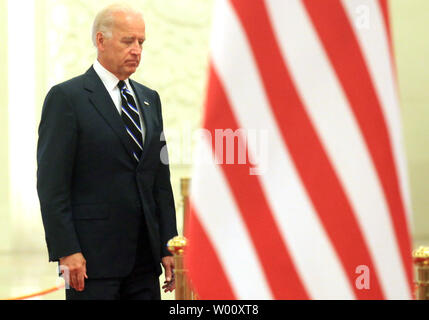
(102, 101)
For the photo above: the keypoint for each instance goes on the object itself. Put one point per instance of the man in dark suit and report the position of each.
(103, 177)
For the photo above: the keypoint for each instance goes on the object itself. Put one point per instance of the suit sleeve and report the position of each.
(55, 157)
(163, 195)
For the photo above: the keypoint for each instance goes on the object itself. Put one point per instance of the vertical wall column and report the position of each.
(4, 142)
(26, 227)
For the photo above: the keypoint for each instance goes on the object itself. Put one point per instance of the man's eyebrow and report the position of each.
(132, 38)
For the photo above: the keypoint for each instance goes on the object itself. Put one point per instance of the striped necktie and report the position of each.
(130, 116)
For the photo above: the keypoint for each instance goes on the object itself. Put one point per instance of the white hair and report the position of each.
(105, 19)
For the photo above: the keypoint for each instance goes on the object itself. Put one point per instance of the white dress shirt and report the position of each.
(110, 81)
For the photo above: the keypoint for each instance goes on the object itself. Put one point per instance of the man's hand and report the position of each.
(169, 283)
(73, 268)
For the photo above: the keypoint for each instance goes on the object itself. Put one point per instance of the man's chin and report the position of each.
(130, 70)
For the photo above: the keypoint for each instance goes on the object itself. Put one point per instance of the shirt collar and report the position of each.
(109, 80)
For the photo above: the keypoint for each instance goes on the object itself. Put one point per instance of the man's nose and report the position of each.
(136, 49)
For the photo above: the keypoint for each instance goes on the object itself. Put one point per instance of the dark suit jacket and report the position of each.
(92, 193)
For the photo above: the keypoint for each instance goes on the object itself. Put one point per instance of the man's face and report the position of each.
(121, 53)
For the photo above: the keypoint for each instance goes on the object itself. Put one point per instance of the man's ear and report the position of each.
(100, 41)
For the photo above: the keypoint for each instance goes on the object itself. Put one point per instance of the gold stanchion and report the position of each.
(421, 262)
(184, 189)
(177, 247)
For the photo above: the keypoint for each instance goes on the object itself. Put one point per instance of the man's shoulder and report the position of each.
(73, 83)
(69, 89)
(77, 82)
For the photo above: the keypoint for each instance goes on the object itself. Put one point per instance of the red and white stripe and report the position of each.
(331, 194)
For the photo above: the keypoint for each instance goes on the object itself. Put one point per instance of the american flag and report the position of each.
(317, 206)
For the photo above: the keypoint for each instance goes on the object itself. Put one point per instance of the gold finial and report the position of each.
(177, 245)
(421, 255)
